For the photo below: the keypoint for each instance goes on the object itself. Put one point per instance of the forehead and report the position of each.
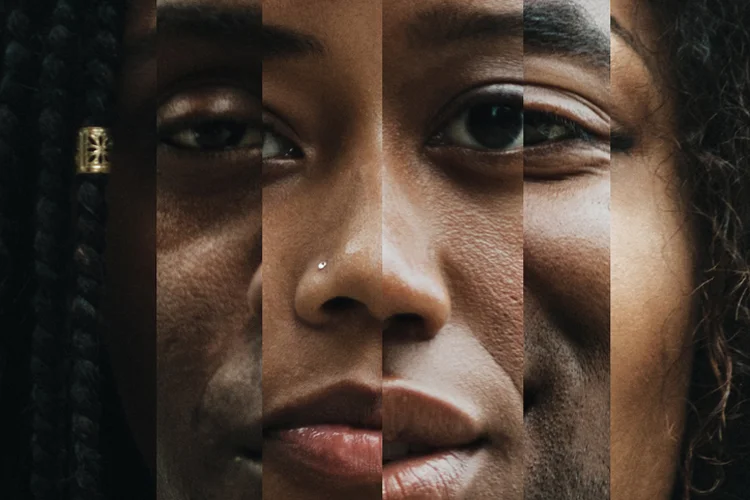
(597, 10)
(328, 15)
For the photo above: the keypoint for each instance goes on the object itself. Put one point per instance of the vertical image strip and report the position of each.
(128, 349)
(679, 251)
(652, 261)
(452, 250)
(209, 412)
(322, 290)
(76, 157)
(567, 183)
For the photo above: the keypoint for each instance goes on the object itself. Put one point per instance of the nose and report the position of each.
(386, 270)
(415, 299)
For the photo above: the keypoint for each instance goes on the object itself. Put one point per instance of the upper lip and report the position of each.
(413, 416)
(342, 404)
(405, 414)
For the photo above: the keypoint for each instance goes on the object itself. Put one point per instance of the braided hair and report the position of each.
(17, 134)
(60, 64)
(52, 233)
(88, 258)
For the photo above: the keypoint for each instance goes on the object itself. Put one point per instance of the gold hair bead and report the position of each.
(94, 146)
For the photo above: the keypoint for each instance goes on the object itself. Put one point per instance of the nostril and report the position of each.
(408, 325)
(340, 304)
(530, 396)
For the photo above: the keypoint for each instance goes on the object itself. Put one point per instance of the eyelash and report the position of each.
(620, 142)
(168, 136)
(578, 130)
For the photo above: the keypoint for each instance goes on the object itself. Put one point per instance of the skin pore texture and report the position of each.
(652, 265)
(496, 281)
(208, 249)
(415, 242)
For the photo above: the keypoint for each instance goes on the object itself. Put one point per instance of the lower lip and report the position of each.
(344, 453)
(440, 476)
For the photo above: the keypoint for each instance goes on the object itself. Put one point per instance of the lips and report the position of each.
(334, 435)
(418, 445)
(429, 444)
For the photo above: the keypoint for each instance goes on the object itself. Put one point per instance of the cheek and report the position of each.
(651, 310)
(202, 325)
(566, 255)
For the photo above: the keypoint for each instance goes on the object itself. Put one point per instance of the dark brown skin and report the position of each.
(506, 266)
(208, 342)
(405, 230)
(334, 105)
(131, 237)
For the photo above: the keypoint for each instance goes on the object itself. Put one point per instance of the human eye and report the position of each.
(487, 120)
(504, 119)
(503, 125)
(276, 146)
(555, 133)
(214, 134)
(211, 121)
(542, 128)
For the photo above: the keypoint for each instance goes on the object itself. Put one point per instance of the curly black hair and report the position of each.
(704, 49)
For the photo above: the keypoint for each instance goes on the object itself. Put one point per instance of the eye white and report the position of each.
(273, 146)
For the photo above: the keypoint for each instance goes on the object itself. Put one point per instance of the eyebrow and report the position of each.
(242, 25)
(557, 28)
(564, 29)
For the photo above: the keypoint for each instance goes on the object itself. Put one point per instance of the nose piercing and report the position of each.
(322, 265)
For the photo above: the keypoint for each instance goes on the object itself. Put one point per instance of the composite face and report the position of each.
(448, 229)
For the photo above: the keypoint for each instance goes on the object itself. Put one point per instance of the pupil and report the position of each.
(495, 126)
(218, 135)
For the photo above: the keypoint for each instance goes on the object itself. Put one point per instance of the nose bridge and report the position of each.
(348, 270)
(380, 255)
(412, 281)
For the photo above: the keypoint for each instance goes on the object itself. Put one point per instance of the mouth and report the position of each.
(429, 446)
(418, 445)
(333, 434)
(394, 451)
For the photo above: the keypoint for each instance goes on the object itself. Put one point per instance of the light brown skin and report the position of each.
(652, 279)
(511, 277)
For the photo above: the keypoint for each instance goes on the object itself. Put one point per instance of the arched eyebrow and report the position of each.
(242, 25)
(549, 28)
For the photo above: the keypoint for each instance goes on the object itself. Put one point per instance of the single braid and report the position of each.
(17, 61)
(18, 74)
(85, 400)
(52, 209)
